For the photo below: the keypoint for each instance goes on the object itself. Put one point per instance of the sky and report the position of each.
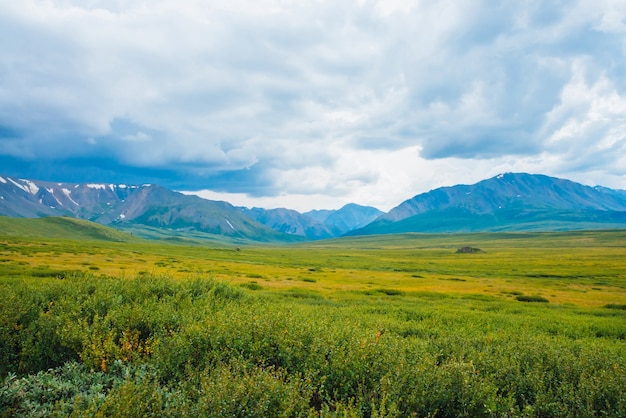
(312, 104)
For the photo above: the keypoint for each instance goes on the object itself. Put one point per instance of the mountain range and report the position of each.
(142, 208)
(510, 201)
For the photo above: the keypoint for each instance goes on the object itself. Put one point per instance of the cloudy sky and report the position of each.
(312, 104)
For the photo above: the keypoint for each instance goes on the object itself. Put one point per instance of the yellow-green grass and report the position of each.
(580, 268)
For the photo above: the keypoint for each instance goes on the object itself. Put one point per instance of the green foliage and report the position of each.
(60, 391)
(162, 347)
(95, 319)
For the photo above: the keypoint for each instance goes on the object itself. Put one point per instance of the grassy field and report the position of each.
(101, 323)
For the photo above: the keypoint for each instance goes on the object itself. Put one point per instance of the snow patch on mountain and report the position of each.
(28, 187)
(32, 187)
(67, 194)
(104, 186)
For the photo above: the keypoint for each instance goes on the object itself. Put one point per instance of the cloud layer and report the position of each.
(366, 101)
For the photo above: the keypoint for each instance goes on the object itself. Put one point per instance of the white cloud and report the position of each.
(366, 101)
(587, 129)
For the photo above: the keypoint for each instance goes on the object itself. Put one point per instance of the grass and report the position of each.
(369, 326)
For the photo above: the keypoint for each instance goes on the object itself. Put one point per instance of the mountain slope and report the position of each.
(511, 201)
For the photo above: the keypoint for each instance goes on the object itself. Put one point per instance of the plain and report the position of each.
(96, 322)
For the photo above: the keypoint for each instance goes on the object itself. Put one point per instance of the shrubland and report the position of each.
(376, 326)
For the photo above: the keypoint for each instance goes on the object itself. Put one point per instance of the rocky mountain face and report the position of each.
(510, 201)
(120, 205)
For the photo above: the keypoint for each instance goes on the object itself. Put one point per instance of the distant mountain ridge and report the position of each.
(347, 218)
(289, 221)
(509, 201)
(316, 224)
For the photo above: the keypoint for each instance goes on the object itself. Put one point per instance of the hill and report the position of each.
(510, 201)
(61, 228)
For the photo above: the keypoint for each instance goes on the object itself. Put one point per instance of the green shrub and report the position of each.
(238, 391)
(60, 391)
(531, 298)
(252, 286)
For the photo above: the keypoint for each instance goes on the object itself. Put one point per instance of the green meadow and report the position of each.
(96, 322)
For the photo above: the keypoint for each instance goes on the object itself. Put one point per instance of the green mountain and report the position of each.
(511, 202)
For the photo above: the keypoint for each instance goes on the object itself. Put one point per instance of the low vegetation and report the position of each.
(376, 327)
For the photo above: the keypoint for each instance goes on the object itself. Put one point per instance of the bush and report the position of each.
(533, 298)
(251, 286)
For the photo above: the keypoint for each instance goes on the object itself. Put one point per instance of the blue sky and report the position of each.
(312, 104)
